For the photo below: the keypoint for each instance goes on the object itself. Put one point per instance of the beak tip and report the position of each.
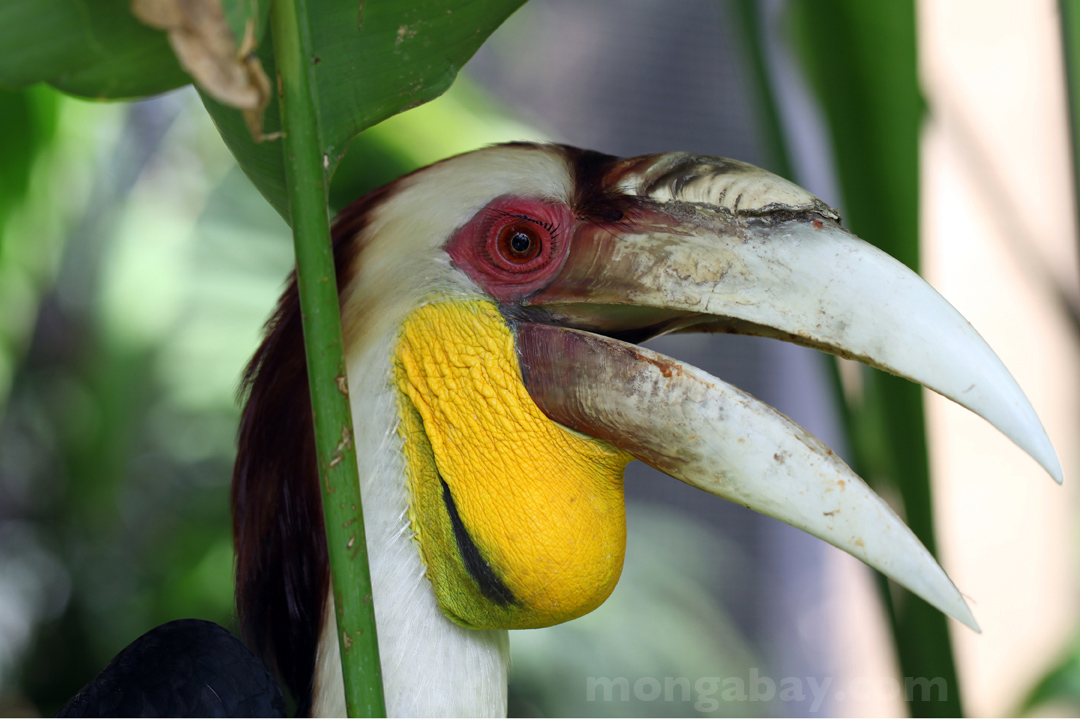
(1045, 455)
(941, 592)
(1017, 420)
(967, 618)
(1054, 468)
(954, 604)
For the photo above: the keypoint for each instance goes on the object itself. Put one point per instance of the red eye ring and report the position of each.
(519, 243)
(514, 245)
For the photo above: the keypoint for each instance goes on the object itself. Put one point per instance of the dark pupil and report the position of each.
(520, 243)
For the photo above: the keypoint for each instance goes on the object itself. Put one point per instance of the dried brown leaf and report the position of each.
(200, 36)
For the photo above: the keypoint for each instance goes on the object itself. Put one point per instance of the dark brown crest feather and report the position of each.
(593, 196)
(282, 571)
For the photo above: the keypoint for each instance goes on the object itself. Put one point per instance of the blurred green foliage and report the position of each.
(1058, 693)
(117, 438)
(31, 123)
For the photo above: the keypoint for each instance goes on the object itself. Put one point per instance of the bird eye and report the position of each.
(514, 245)
(519, 243)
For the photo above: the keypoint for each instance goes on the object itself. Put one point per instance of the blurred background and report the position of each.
(138, 264)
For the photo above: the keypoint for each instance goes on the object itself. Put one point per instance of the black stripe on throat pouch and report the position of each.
(491, 586)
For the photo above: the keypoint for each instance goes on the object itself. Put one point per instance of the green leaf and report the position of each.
(96, 48)
(30, 120)
(393, 55)
(29, 125)
(1060, 687)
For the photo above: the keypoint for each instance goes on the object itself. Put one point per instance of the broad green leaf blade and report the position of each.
(861, 59)
(405, 53)
(96, 48)
(395, 55)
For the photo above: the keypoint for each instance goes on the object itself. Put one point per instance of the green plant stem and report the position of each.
(1070, 40)
(306, 183)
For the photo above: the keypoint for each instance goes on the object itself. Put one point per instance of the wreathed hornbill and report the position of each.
(491, 305)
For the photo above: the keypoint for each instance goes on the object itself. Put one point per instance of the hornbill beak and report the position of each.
(720, 246)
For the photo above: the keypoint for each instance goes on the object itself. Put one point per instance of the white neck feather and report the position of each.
(431, 667)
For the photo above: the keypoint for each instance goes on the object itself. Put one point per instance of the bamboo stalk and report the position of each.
(306, 182)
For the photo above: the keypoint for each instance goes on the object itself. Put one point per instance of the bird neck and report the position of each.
(430, 666)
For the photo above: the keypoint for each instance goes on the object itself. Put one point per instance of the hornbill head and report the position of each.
(492, 304)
